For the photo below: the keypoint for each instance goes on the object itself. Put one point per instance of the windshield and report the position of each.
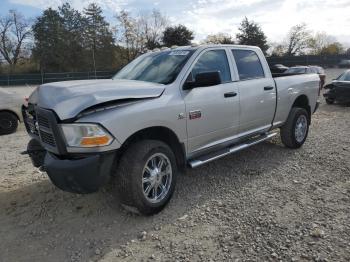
(344, 77)
(159, 67)
(296, 70)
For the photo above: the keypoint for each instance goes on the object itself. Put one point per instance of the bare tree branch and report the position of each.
(14, 31)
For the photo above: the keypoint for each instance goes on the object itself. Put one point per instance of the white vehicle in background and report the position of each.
(164, 111)
(10, 111)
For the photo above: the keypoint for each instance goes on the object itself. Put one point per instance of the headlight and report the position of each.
(86, 135)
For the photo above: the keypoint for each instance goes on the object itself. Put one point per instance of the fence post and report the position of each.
(42, 77)
(8, 79)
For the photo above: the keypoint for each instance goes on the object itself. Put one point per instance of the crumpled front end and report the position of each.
(339, 93)
(82, 173)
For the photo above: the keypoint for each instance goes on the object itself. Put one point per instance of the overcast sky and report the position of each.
(213, 16)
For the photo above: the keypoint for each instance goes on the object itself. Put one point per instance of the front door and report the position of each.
(213, 111)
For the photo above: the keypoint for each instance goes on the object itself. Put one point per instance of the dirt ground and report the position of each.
(267, 203)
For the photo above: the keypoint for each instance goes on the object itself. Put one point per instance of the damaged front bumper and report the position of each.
(77, 174)
(82, 175)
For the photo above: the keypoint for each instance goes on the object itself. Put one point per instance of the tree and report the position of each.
(335, 48)
(49, 44)
(73, 23)
(251, 34)
(298, 40)
(68, 40)
(14, 31)
(178, 35)
(347, 51)
(319, 41)
(220, 38)
(152, 26)
(130, 35)
(278, 50)
(99, 38)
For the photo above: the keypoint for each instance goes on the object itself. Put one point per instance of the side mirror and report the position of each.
(203, 79)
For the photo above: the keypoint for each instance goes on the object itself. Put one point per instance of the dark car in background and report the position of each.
(339, 89)
(278, 68)
(345, 63)
(295, 70)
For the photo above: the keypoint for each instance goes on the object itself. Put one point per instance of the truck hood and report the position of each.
(69, 98)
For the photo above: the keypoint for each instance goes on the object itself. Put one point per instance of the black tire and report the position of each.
(329, 101)
(8, 123)
(288, 135)
(130, 173)
(36, 152)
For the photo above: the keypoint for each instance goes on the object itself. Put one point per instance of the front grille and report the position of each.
(42, 124)
(47, 138)
(45, 131)
(43, 121)
(29, 119)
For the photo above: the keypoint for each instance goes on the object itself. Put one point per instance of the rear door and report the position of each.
(257, 92)
(213, 111)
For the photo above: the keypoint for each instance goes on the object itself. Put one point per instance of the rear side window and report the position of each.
(248, 64)
(213, 60)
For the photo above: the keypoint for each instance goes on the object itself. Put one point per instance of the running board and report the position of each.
(227, 151)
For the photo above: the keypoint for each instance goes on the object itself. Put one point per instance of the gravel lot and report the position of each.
(267, 203)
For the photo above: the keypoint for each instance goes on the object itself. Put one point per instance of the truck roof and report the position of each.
(202, 46)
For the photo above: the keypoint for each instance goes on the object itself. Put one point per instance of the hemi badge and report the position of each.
(195, 114)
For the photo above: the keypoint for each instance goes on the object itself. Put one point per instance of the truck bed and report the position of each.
(289, 88)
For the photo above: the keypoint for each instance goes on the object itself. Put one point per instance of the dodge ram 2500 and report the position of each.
(166, 110)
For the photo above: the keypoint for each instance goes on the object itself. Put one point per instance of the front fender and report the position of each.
(124, 121)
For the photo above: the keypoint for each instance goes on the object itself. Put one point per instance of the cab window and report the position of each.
(248, 64)
(213, 60)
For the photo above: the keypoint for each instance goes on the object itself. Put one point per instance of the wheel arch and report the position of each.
(303, 102)
(11, 112)
(163, 134)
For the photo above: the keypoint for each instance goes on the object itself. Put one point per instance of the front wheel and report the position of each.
(295, 130)
(146, 176)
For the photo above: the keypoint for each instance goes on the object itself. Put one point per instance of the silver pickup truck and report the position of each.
(166, 110)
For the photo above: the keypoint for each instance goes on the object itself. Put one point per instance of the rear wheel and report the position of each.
(8, 123)
(146, 176)
(295, 130)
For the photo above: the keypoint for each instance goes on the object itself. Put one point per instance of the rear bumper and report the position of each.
(83, 175)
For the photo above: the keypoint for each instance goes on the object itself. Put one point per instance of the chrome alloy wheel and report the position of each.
(300, 128)
(156, 177)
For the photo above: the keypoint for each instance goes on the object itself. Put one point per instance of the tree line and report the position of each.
(66, 39)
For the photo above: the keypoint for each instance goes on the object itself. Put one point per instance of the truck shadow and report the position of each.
(53, 225)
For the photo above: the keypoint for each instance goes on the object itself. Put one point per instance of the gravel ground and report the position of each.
(267, 203)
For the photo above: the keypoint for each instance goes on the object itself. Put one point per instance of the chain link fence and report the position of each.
(326, 61)
(42, 78)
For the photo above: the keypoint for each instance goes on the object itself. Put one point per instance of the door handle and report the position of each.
(266, 88)
(230, 94)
